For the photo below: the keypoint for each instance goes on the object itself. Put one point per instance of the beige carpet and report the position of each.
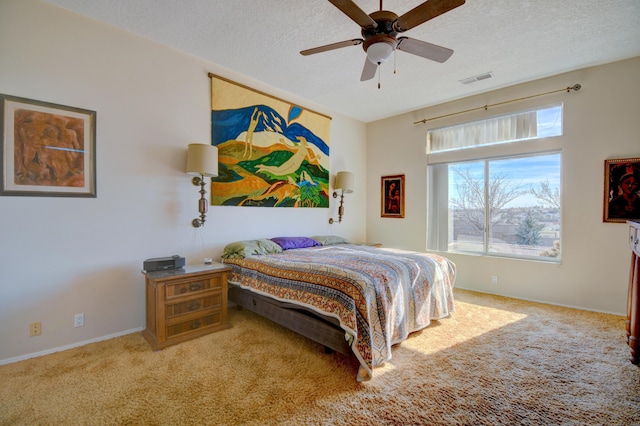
(495, 361)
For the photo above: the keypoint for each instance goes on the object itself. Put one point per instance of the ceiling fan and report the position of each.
(380, 28)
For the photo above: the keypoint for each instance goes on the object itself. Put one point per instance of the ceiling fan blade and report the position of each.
(369, 70)
(424, 49)
(424, 12)
(352, 10)
(332, 46)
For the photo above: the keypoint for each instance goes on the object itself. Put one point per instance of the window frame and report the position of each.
(487, 153)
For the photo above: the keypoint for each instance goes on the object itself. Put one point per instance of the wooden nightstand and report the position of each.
(186, 303)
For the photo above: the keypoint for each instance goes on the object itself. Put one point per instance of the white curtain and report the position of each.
(501, 129)
(437, 207)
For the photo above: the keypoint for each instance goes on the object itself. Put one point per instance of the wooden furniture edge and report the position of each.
(321, 329)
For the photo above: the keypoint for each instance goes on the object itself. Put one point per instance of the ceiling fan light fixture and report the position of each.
(379, 52)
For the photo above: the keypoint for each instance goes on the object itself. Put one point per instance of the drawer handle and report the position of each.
(195, 286)
(254, 302)
(195, 305)
(195, 324)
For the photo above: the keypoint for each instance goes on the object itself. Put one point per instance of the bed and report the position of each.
(350, 298)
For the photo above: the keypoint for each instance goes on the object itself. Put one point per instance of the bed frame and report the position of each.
(321, 329)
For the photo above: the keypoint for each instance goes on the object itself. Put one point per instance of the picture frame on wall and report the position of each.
(621, 190)
(271, 152)
(47, 149)
(392, 196)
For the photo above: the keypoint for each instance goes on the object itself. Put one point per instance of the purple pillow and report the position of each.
(295, 242)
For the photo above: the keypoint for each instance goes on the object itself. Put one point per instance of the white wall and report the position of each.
(601, 122)
(61, 256)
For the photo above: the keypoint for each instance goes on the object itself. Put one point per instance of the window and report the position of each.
(506, 205)
(521, 126)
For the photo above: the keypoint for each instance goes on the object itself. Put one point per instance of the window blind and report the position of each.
(507, 128)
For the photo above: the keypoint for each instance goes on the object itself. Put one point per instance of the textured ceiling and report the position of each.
(516, 40)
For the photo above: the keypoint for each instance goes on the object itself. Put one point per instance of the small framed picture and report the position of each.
(621, 190)
(392, 196)
(46, 149)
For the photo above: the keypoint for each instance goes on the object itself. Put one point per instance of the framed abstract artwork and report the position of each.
(47, 149)
(621, 190)
(392, 196)
(271, 153)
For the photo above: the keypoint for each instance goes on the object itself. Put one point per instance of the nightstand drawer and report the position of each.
(193, 305)
(194, 285)
(215, 318)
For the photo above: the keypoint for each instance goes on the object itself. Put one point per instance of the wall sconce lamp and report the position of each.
(344, 183)
(202, 160)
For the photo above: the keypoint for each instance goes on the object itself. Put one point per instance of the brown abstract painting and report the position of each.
(47, 149)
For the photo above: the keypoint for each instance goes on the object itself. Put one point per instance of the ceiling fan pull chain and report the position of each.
(378, 75)
(395, 55)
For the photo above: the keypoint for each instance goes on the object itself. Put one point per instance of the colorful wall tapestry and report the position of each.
(270, 153)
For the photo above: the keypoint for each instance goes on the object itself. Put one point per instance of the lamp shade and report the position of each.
(202, 160)
(379, 52)
(344, 181)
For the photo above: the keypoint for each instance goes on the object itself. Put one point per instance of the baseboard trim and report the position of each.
(543, 302)
(71, 346)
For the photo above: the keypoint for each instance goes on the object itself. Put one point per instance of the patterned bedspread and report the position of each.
(379, 295)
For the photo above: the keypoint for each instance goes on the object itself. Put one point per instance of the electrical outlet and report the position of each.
(494, 279)
(78, 320)
(35, 329)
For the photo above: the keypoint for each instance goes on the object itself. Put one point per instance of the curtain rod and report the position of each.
(575, 87)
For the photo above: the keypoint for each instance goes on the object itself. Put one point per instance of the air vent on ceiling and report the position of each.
(478, 77)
